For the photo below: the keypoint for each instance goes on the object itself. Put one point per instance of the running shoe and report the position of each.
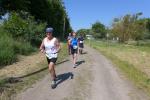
(53, 84)
(74, 65)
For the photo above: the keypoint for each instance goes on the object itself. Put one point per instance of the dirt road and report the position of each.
(95, 78)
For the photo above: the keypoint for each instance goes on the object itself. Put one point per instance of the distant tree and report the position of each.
(128, 27)
(99, 30)
(83, 32)
(148, 24)
(147, 34)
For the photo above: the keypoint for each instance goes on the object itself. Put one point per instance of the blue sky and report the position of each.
(83, 13)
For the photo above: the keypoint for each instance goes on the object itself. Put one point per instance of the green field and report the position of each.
(132, 60)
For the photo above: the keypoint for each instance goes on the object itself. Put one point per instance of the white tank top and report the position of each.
(50, 48)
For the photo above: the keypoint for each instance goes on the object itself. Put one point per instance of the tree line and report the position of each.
(52, 12)
(131, 27)
(128, 27)
(23, 29)
(98, 30)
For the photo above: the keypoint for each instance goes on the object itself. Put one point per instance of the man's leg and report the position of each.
(81, 51)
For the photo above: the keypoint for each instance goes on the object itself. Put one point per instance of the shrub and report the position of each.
(7, 54)
(16, 36)
(26, 29)
(23, 48)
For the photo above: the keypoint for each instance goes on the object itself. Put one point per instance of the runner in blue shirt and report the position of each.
(74, 48)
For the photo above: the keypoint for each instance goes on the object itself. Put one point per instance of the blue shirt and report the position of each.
(74, 42)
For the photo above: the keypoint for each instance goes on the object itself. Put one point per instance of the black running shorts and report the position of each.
(73, 51)
(51, 60)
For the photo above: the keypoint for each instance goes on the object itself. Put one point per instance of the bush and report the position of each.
(23, 48)
(7, 54)
(16, 36)
(26, 29)
(15, 25)
(10, 48)
(143, 43)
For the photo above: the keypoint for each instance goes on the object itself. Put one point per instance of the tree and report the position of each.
(15, 5)
(83, 32)
(148, 24)
(50, 11)
(128, 27)
(24, 29)
(68, 29)
(147, 34)
(99, 30)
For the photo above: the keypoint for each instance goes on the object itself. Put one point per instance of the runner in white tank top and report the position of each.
(50, 46)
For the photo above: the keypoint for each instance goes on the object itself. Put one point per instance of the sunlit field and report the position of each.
(133, 60)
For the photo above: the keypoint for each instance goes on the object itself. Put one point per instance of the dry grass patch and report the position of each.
(139, 59)
(25, 66)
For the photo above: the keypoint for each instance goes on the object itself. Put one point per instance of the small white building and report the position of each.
(90, 37)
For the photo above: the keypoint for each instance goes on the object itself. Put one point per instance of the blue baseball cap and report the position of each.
(49, 30)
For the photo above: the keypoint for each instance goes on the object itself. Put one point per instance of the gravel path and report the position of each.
(95, 78)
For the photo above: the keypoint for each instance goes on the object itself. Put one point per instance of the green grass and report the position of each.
(63, 52)
(10, 90)
(9, 49)
(23, 48)
(134, 73)
(7, 54)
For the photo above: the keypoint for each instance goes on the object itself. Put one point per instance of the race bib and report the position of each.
(81, 41)
(75, 47)
(50, 55)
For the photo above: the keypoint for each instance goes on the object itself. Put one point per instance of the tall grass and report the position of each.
(16, 36)
(23, 48)
(7, 54)
(10, 48)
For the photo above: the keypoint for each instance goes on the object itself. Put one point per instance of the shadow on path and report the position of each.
(84, 53)
(63, 77)
(80, 62)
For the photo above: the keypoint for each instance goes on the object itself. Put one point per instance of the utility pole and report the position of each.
(64, 26)
(107, 36)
